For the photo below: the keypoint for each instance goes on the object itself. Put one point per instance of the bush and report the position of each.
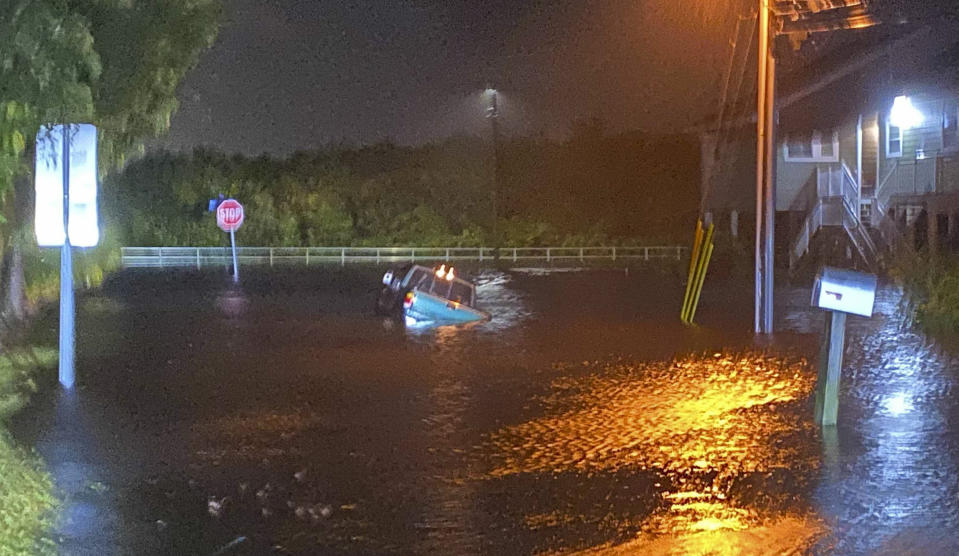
(41, 267)
(27, 504)
(933, 285)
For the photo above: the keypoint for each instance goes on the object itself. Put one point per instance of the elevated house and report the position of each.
(867, 149)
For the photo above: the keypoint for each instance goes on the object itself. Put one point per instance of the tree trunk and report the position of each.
(16, 284)
(19, 216)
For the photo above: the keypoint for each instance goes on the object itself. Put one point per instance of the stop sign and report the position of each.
(229, 215)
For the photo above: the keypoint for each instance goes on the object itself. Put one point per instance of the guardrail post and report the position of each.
(580, 254)
(198, 258)
(447, 254)
(679, 253)
(547, 254)
(645, 253)
(377, 256)
(271, 257)
(614, 253)
(481, 253)
(307, 256)
(412, 254)
(514, 254)
(160, 251)
(343, 256)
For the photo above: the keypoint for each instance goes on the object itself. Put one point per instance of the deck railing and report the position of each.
(199, 257)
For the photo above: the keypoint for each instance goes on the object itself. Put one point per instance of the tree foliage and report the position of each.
(590, 189)
(115, 63)
(47, 67)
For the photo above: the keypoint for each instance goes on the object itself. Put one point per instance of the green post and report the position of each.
(830, 366)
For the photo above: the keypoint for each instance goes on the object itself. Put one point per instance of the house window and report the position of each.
(893, 140)
(812, 147)
(950, 125)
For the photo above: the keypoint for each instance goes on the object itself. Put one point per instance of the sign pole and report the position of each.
(229, 217)
(67, 312)
(236, 267)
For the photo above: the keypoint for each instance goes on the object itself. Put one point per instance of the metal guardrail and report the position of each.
(199, 257)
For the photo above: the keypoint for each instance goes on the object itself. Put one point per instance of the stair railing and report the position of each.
(883, 191)
(810, 226)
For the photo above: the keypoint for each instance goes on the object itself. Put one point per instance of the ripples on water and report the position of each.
(330, 428)
(712, 430)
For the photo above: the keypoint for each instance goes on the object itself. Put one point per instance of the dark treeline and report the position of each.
(591, 189)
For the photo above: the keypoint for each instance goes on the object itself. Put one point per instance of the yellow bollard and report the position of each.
(700, 274)
(693, 262)
(702, 278)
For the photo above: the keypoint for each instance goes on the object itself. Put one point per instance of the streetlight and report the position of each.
(903, 114)
(492, 113)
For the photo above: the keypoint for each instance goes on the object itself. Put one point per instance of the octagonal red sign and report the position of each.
(229, 215)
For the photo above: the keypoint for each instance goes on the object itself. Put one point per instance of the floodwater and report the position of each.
(282, 416)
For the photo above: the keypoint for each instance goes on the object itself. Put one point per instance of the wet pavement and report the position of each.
(282, 416)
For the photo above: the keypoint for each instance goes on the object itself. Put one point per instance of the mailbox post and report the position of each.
(841, 292)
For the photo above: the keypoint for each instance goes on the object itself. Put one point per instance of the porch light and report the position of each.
(903, 114)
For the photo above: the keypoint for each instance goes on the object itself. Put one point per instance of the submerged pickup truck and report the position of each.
(424, 295)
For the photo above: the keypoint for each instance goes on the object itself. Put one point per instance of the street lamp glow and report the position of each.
(903, 114)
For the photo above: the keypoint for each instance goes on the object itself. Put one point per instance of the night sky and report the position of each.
(297, 74)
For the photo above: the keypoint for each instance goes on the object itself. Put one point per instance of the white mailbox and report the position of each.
(848, 291)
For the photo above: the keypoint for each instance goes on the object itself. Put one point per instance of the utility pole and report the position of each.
(786, 20)
(493, 114)
(770, 187)
(762, 292)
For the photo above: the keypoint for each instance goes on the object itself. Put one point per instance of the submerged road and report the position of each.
(282, 416)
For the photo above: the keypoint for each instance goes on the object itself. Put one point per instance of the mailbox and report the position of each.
(843, 290)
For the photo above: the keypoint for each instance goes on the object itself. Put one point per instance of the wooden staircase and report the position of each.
(835, 205)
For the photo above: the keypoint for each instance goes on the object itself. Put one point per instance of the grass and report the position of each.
(27, 502)
(933, 285)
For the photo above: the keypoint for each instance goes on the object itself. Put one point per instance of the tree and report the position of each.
(47, 68)
(145, 48)
(115, 63)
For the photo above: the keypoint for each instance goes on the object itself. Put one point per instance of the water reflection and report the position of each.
(718, 429)
(327, 434)
(232, 302)
(889, 481)
(716, 412)
(71, 441)
(507, 305)
(898, 404)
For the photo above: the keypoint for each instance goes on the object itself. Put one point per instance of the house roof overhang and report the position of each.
(866, 77)
(855, 73)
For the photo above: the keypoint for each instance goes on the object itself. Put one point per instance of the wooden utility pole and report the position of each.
(775, 18)
(765, 184)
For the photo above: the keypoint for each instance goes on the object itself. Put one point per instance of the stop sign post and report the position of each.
(229, 217)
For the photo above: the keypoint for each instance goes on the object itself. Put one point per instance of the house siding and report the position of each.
(792, 176)
(910, 174)
(949, 175)
(734, 178)
(790, 179)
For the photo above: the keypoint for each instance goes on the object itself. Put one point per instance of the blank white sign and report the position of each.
(84, 218)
